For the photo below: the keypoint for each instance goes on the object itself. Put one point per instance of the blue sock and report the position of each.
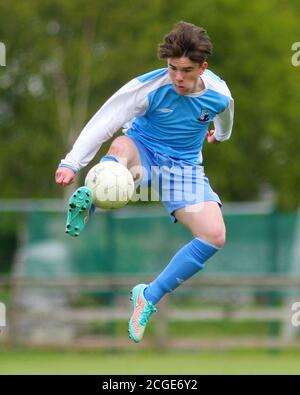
(109, 157)
(188, 261)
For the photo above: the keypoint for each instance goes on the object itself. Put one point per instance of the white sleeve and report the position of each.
(223, 122)
(127, 103)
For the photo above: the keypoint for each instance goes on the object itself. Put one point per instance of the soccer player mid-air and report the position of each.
(166, 113)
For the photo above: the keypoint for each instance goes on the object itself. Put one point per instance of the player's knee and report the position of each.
(119, 148)
(215, 236)
(218, 236)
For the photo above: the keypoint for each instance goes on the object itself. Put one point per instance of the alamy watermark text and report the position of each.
(296, 56)
(2, 54)
(296, 316)
(2, 315)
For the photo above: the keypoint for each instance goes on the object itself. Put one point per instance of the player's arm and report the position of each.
(127, 103)
(223, 123)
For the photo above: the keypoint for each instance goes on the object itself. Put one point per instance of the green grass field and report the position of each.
(149, 362)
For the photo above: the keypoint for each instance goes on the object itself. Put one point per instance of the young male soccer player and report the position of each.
(167, 113)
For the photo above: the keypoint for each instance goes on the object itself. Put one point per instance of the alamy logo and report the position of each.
(296, 57)
(2, 315)
(2, 54)
(296, 316)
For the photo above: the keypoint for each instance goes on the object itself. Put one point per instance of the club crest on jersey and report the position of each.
(204, 116)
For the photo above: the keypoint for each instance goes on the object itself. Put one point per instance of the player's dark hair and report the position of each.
(186, 40)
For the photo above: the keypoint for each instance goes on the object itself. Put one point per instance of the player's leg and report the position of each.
(191, 201)
(80, 207)
(124, 150)
(205, 221)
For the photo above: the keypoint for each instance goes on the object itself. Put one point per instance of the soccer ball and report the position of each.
(111, 184)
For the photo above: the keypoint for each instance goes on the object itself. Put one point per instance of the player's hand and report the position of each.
(64, 176)
(210, 137)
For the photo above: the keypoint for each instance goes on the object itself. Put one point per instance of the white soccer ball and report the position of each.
(111, 183)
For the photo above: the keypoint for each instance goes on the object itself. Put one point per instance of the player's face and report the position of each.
(185, 75)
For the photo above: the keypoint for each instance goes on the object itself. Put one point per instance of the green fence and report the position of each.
(144, 240)
(65, 290)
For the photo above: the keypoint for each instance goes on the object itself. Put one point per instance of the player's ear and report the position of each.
(203, 67)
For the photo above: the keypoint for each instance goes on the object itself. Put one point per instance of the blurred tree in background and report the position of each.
(65, 58)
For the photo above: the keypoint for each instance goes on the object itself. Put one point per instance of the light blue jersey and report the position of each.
(176, 125)
(150, 110)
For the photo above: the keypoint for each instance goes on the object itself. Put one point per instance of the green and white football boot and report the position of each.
(80, 208)
(142, 311)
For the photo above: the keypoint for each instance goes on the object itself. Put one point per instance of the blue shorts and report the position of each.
(177, 183)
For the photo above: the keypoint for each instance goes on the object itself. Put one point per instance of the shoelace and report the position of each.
(146, 313)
